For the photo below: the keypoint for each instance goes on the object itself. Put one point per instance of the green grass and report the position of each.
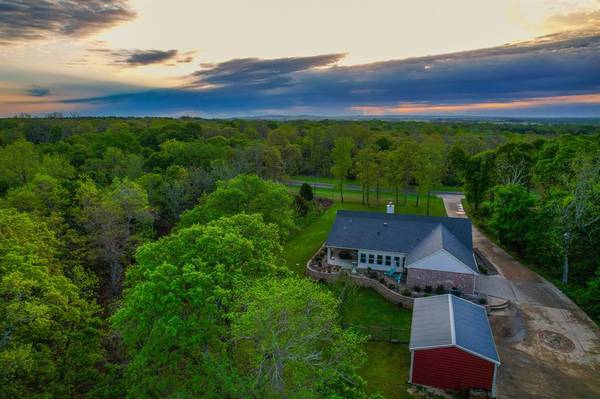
(330, 180)
(436, 205)
(386, 369)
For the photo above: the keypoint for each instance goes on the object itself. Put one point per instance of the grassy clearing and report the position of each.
(330, 180)
(386, 370)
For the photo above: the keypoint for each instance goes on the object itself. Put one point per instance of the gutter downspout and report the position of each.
(494, 381)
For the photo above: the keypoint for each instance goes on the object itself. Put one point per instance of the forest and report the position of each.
(144, 257)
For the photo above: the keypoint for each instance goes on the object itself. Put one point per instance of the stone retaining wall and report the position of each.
(362, 281)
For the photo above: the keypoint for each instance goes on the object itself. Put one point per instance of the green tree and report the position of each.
(306, 192)
(174, 319)
(342, 161)
(245, 194)
(291, 342)
(117, 220)
(511, 214)
(50, 335)
(19, 162)
(429, 168)
(365, 165)
(479, 178)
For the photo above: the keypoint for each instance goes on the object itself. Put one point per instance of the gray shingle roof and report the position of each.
(446, 320)
(417, 236)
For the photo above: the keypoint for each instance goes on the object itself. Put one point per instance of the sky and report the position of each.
(235, 58)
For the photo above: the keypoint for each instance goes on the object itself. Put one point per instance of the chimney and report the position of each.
(390, 207)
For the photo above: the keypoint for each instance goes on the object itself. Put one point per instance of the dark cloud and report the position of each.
(563, 64)
(38, 92)
(134, 58)
(23, 20)
(257, 72)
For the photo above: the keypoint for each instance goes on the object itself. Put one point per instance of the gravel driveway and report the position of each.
(549, 348)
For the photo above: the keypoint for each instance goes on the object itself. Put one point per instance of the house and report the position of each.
(451, 345)
(426, 250)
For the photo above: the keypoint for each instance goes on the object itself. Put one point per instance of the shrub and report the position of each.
(306, 192)
(427, 294)
(391, 286)
(417, 288)
(406, 292)
(428, 289)
(482, 301)
(381, 280)
(440, 289)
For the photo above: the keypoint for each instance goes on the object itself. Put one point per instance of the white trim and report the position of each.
(412, 360)
(418, 348)
(478, 354)
(452, 329)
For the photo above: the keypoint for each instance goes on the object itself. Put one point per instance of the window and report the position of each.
(363, 258)
(371, 258)
(379, 259)
(388, 260)
(396, 261)
(403, 261)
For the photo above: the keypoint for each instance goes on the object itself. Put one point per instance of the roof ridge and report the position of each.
(452, 326)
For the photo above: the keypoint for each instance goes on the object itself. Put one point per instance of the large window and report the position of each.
(363, 258)
(388, 260)
(379, 259)
(396, 261)
(371, 258)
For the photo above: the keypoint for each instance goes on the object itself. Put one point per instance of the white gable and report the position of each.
(441, 260)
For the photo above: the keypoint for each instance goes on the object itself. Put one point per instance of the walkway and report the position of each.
(549, 348)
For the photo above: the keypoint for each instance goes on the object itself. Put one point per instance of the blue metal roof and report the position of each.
(472, 328)
(417, 236)
(446, 320)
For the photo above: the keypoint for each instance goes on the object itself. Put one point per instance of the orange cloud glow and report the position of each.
(421, 108)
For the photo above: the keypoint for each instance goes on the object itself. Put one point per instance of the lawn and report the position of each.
(386, 369)
(330, 180)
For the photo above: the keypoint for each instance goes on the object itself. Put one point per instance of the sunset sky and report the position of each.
(221, 58)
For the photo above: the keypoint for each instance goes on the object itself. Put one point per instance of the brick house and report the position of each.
(425, 250)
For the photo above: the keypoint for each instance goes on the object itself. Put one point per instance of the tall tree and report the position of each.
(579, 208)
(365, 171)
(429, 168)
(117, 219)
(49, 334)
(289, 334)
(245, 194)
(342, 161)
(175, 314)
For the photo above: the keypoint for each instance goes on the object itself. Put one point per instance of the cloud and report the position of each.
(559, 65)
(134, 58)
(25, 20)
(575, 20)
(38, 91)
(258, 72)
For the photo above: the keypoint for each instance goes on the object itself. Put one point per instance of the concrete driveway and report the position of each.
(549, 348)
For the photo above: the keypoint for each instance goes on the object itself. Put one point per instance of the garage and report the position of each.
(452, 346)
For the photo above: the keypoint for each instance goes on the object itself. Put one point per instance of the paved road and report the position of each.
(353, 187)
(569, 367)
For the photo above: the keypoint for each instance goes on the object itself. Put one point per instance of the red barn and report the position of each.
(451, 345)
